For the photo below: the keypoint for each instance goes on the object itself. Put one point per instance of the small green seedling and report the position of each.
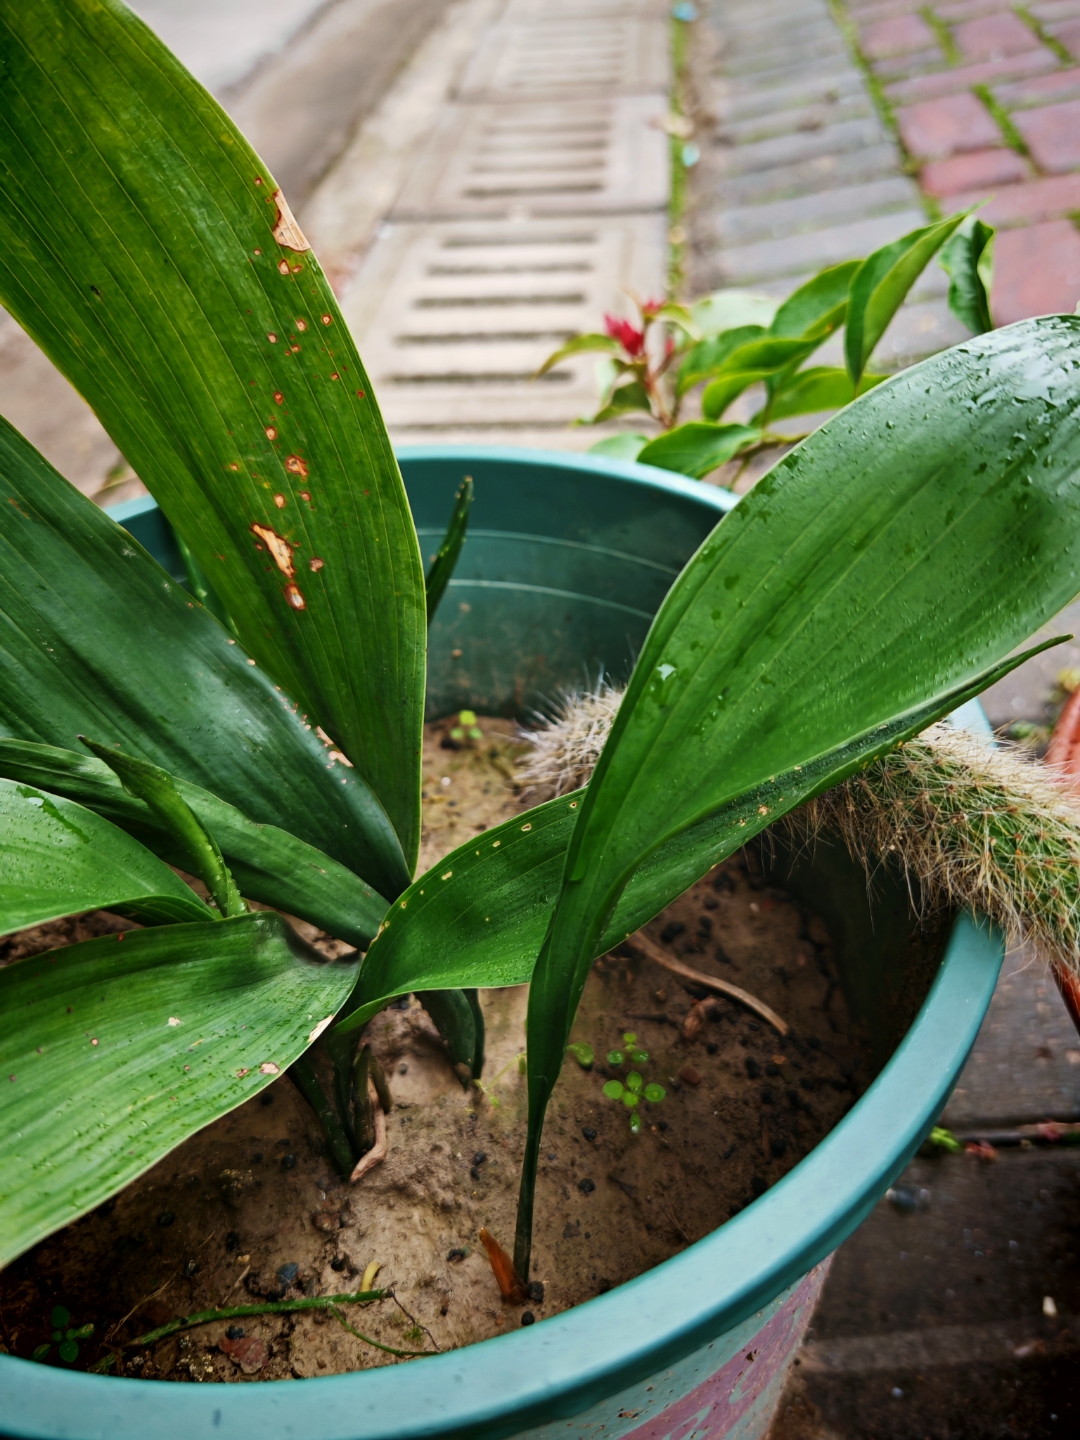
(64, 1336)
(466, 728)
(945, 1140)
(635, 1090)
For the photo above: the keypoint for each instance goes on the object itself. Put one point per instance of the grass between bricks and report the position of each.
(1002, 119)
(949, 47)
(1036, 27)
(841, 16)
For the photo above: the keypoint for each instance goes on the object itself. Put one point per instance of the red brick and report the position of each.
(1036, 272)
(1061, 83)
(897, 37)
(1069, 36)
(1052, 135)
(1051, 11)
(981, 172)
(1027, 204)
(987, 72)
(945, 127)
(994, 37)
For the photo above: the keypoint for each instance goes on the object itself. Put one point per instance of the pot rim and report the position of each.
(559, 1367)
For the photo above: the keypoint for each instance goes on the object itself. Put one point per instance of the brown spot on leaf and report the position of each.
(271, 337)
(279, 501)
(271, 432)
(301, 324)
(279, 398)
(286, 231)
(360, 394)
(294, 597)
(279, 548)
(296, 466)
(316, 563)
(233, 465)
(305, 495)
(283, 267)
(335, 376)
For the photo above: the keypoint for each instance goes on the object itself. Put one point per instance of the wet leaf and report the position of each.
(915, 538)
(880, 285)
(614, 1089)
(698, 447)
(823, 387)
(151, 255)
(61, 859)
(268, 864)
(119, 651)
(119, 1051)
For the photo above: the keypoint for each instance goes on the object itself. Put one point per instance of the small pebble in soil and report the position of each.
(772, 1069)
(338, 1263)
(712, 1047)
(586, 1186)
(661, 1124)
(191, 1268)
(691, 1076)
(479, 1157)
(528, 1318)
(588, 1132)
(474, 1173)
(460, 1252)
(753, 1069)
(535, 1291)
(670, 930)
(166, 1218)
(235, 1332)
(288, 1273)
(403, 1068)
(288, 1162)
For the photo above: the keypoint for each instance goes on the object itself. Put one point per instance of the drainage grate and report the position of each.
(573, 158)
(540, 196)
(473, 311)
(598, 54)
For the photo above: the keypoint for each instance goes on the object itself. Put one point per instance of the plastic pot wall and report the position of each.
(567, 559)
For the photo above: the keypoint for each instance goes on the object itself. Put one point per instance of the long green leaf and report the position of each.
(480, 916)
(729, 309)
(749, 364)
(708, 355)
(880, 285)
(148, 251)
(115, 1050)
(268, 864)
(967, 257)
(698, 447)
(817, 308)
(915, 538)
(157, 789)
(96, 639)
(581, 345)
(445, 560)
(61, 859)
(824, 387)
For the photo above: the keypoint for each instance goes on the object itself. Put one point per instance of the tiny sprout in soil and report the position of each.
(65, 1337)
(635, 1090)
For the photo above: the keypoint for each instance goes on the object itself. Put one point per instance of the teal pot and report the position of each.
(567, 559)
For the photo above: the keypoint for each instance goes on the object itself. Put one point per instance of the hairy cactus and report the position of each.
(972, 825)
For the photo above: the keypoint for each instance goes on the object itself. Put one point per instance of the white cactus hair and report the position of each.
(972, 825)
(566, 746)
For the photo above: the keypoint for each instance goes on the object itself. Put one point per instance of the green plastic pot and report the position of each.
(567, 559)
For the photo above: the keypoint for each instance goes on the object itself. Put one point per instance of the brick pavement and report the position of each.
(986, 101)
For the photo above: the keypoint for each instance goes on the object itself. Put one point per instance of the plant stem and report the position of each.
(307, 1082)
(401, 1354)
(266, 1307)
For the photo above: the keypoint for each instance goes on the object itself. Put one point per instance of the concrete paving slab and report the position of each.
(823, 172)
(1026, 1061)
(801, 146)
(812, 251)
(843, 205)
